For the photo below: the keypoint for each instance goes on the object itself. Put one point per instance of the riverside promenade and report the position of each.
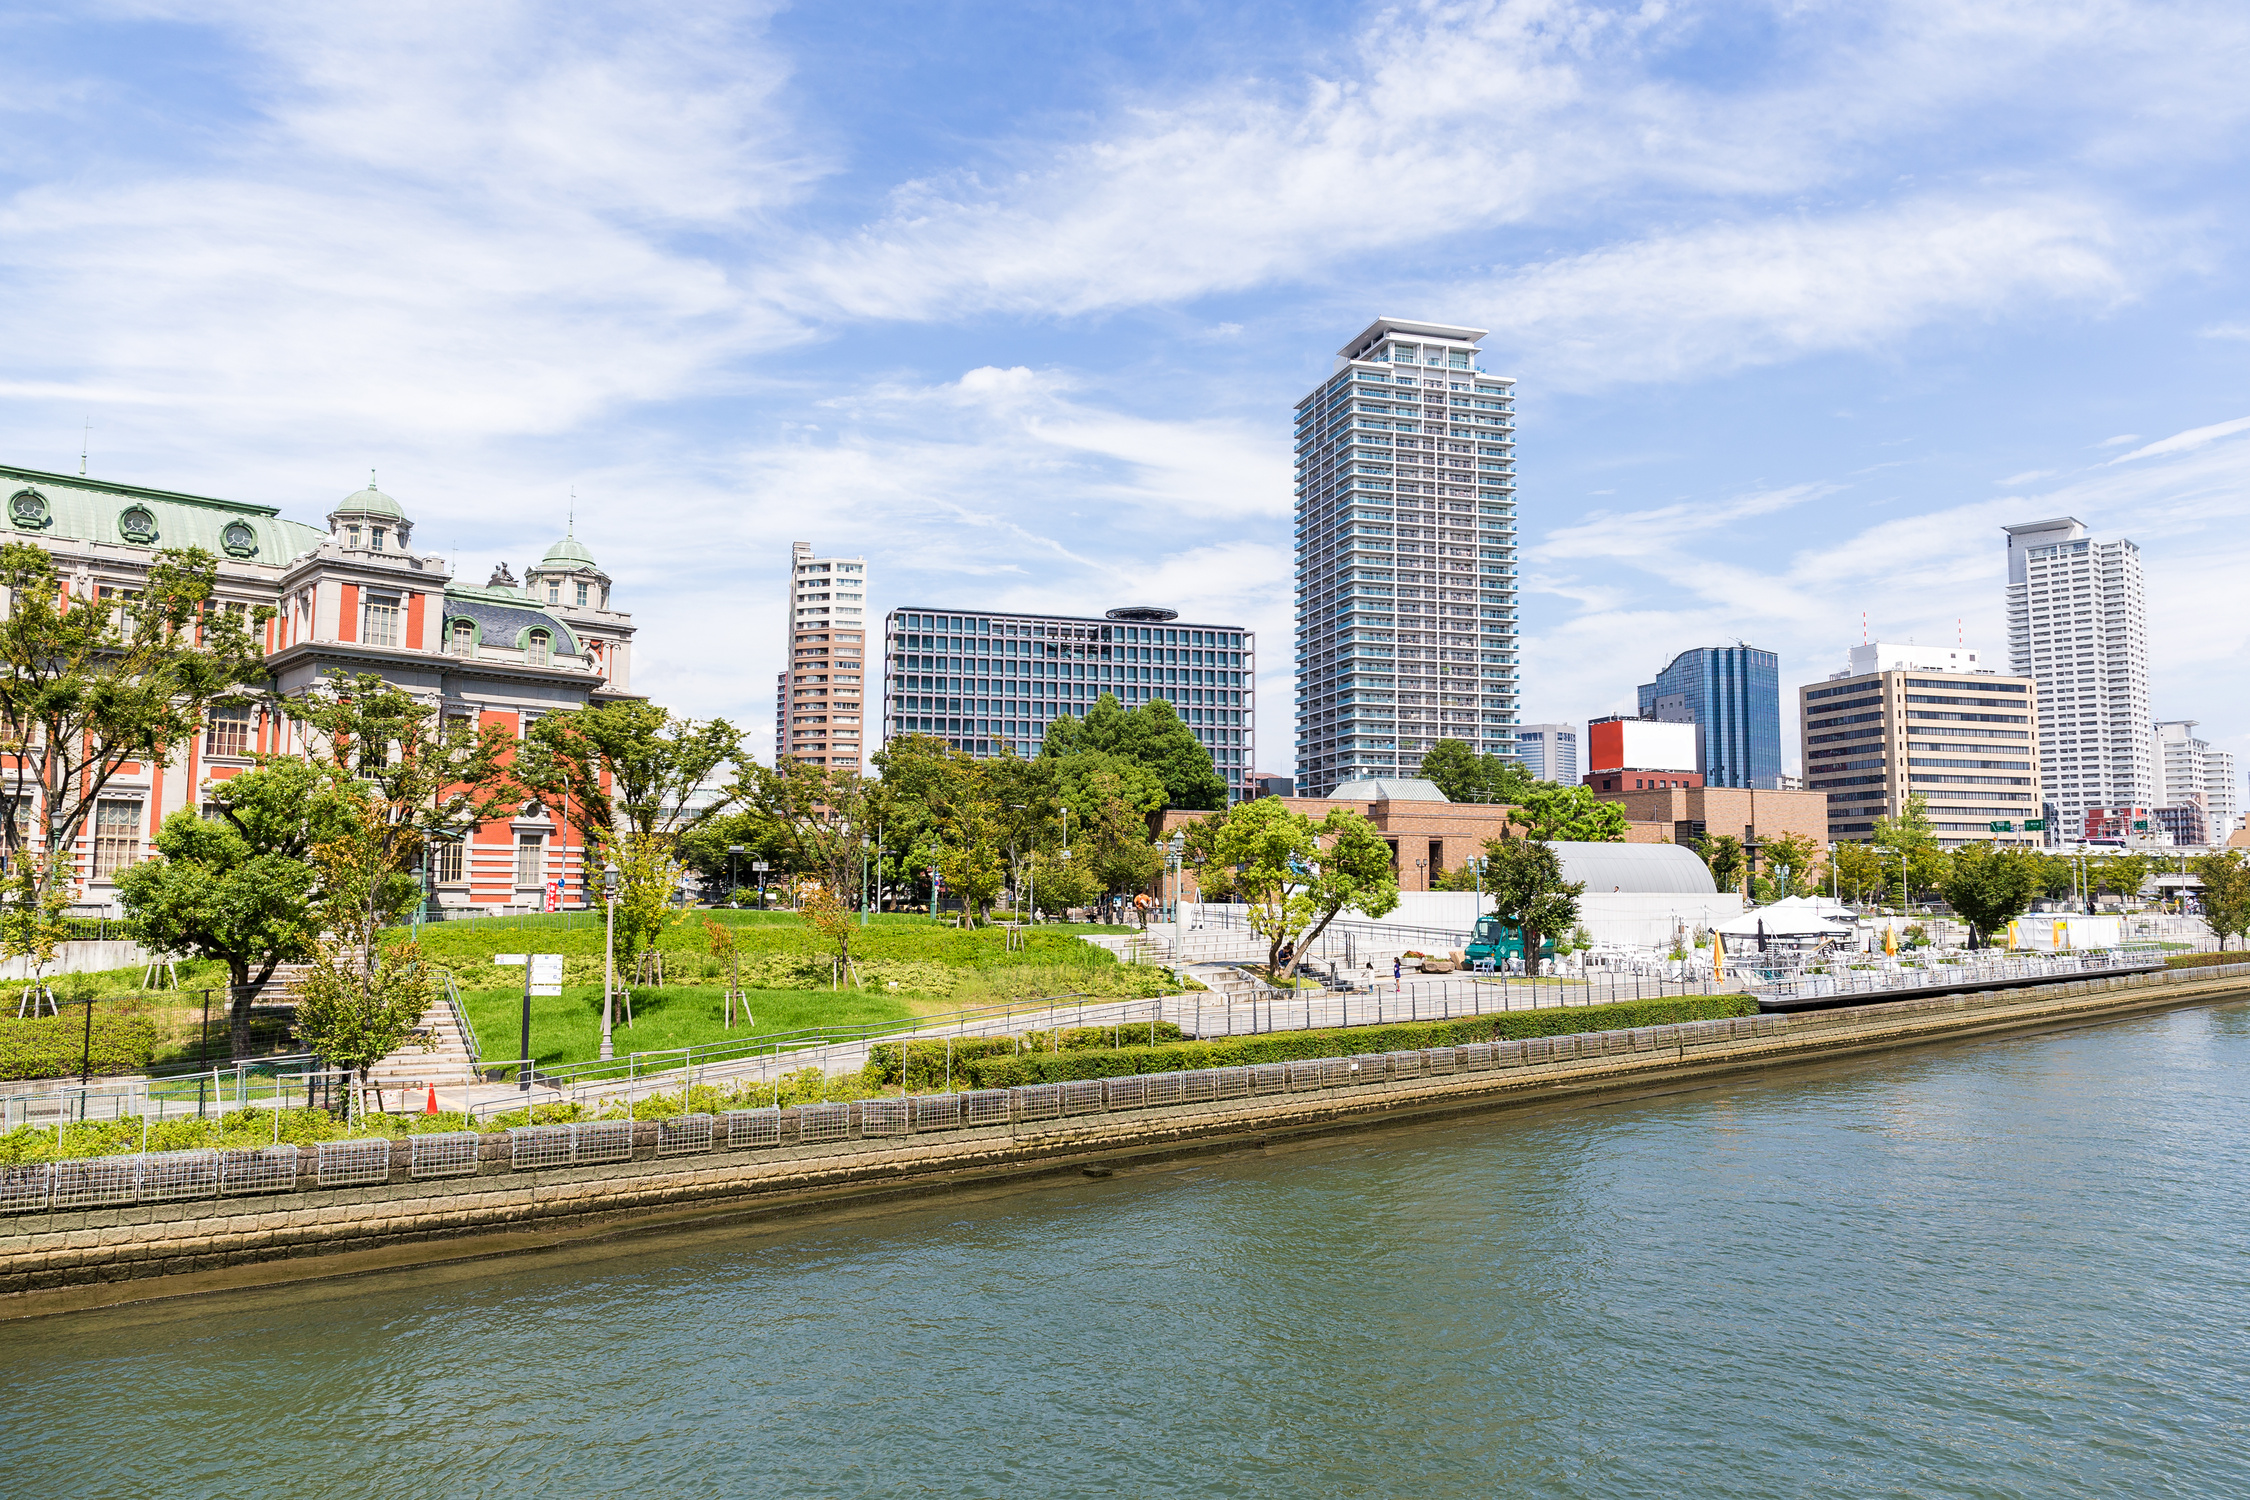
(502, 1199)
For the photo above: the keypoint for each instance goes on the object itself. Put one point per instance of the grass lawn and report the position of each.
(567, 1028)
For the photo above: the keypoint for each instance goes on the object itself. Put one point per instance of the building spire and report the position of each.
(570, 528)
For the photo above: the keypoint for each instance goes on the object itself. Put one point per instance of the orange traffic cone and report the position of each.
(431, 1107)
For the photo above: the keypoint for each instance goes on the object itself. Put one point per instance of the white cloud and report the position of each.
(2026, 477)
(2226, 331)
(1724, 297)
(2181, 442)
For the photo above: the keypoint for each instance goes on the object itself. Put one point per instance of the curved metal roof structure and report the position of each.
(1636, 869)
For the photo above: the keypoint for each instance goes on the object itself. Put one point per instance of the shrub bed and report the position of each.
(2204, 960)
(52, 1046)
(1001, 1068)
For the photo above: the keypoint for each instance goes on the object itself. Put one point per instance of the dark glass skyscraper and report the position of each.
(1732, 695)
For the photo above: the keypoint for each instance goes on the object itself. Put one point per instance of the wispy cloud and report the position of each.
(2181, 442)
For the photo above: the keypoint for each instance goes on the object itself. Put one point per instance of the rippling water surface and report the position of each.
(2014, 1268)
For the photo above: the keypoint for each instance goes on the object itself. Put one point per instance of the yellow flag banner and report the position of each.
(1718, 959)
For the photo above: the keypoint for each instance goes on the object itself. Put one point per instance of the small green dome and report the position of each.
(370, 502)
(568, 554)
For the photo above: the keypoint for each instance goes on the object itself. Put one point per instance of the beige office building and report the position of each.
(818, 699)
(1901, 720)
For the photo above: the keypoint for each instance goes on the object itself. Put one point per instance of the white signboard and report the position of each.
(546, 973)
(508, 958)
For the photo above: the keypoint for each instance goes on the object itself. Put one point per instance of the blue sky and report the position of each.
(1805, 301)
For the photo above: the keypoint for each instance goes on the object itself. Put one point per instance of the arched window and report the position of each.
(538, 647)
(464, 638)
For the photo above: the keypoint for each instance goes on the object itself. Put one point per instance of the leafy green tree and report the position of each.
(1797, 854)
(1911, 836)
(1295, 874)
(1152, 734)
(1990, 887)
(239, 887)
(1110, 799)
(417, 776)
(2123, 874)
(359, 1000)
(1571, 814)
(822, 818)
(2226, 893)
(2058, 876)
(1058, 884)
(1723, 853)
(1529, 893)
(1465, 776)
(1859, 870)
(88, 685)
(629, 767)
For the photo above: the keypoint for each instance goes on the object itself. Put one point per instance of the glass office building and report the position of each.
(981, 681)
(1732, 695)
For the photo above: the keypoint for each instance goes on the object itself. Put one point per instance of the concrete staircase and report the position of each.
(447, 1063)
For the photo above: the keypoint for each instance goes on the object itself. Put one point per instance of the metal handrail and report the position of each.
(452, 998)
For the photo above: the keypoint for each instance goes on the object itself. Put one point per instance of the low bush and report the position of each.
(1016, 1069)
(2202, 960)
(53, 1046)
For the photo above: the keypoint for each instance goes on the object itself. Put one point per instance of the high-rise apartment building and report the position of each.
(818, 714)
(2077, 627)
(1549, 751)
(984, 680)
(1406, 556)
(2195, 776)
(1732, 695)
(1889, 727)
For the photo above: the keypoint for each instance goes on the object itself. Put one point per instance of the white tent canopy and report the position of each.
(1792, 916)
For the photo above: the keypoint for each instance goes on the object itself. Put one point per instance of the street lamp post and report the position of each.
(1176, 848)
(734, 881)
(609, 951)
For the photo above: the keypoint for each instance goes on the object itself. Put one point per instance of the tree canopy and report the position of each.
(2226, 893)
(630, 768)
(1295, 874)
(1571, 814)
(1989, 886)
(1151, 734)
(1465, 776)
(1524, 878)
(240, 887)
(90, 684)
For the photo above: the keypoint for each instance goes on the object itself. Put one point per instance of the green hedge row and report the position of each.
(2202, 960)
(51, 1047)
(998, 1069)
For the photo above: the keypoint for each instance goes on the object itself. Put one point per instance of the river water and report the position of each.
(1995, 1269)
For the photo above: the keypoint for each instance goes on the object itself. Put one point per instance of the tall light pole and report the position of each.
(1176, 848)
(609, 951)
(734, 881)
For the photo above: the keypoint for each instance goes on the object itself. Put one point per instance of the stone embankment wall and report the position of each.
(503, 1207)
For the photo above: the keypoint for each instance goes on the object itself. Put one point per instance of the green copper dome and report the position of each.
(569, 553)
(370, 502)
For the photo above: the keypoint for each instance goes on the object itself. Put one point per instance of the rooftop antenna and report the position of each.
(571, 529)
(1960, 636)
(85, 442)
(1863, 627)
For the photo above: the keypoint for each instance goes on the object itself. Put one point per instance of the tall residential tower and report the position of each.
(2078, 628)
(817, 699)
(1406, 545)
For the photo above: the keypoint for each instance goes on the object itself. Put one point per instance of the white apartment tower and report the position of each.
(2195, 775)
(1549, 751)
(2077, 627)
(818, 703)
(1406, 546)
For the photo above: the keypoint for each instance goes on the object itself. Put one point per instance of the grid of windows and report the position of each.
(982, 682)
(447, 865)
(1406, 556)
